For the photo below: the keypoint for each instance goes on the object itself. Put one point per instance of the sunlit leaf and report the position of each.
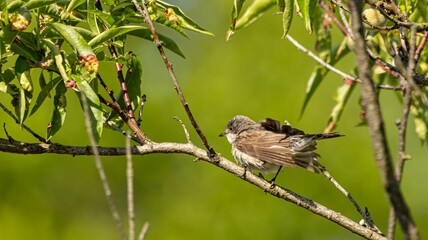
(342, 96)
(287, 16)
(183, 19)
(236, 10)
(91, 18)
(307, 9)
(57, 57)
(165, 41)
(95, 110)
(254, 12)
(74, 3)
(32, 4)
(73, 38)
(112, 33)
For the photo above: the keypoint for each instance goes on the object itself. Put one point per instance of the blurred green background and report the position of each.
(255, 74)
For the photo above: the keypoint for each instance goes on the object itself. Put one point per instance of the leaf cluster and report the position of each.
(65, 41)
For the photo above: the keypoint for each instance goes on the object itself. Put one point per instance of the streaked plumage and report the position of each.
(267, 146)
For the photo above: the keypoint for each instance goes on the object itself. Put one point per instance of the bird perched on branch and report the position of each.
(268, 146)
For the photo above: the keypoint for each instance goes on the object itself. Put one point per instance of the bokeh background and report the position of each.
(255, 74)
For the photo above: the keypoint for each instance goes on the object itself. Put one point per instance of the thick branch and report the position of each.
(190, 149)
(376, 125)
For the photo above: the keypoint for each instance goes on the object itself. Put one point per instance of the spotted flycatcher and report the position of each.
(268, 146)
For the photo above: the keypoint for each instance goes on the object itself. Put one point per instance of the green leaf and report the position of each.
(33, 4)
(254, 12)
(44, 93)
(287, 16)
(307, 8)
(72, 37)
(236, 10)
(112, 33)
(95, 110)
(184, 20)
(281, 5)
(342, 96)
(133, 80)
(420, 115)
(57, 57)
(320, 72)
(59, 113)
(73, 4)
(91, 18)
(25, 52)
(165, 41)
(22, 109)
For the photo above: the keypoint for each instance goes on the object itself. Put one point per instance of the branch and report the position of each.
(171, 72)
(376, 126)
(201, 154)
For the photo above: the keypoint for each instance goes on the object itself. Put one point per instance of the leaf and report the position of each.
(112, 33)
(133, 80)
(25, 52)
(91, 19)
(184, 20)
(420, 114)
(236, 10)
(254, 12)
(72, 37)
(33, 4)
(57, 57)
(342, 96)
(44, 93)
(287, 16)
(22, 109)
(320, 72)
(165, 41)
(307, 8)
(59, 112)
(281, 5)
(95, 110)
(73, 4)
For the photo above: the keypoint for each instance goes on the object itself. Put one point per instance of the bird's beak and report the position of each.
(222, 134)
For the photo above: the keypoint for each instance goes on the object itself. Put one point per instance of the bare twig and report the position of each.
(192, 150)
(132, 124)
(144, 230)
(122, 83)
(40, 138)
(421, 46)
(402, 127)
(124, 133)
(333, 17)
(130, 183)
(376, 126)
(330, 67)
(100, 169)
(186, 133)
(365, 215)
(171, 72)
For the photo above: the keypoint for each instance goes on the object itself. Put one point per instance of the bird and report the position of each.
(268, 146)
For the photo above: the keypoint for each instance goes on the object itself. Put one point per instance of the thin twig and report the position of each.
(330, 67)
(123, 86)
(25, 127)
(402, 128)
(376, 125)
(186, 133)
(201, 154)
(171, 72)
(100, 168)
(421, 46)
(132, 124)
(144, 231)
(140, 114)
(333, 17)
(124, 133)
(365, 215)
(130, 183)
(108, 90)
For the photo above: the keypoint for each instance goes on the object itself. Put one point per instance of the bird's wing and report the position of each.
(273, 148)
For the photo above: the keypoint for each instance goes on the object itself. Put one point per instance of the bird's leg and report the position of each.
(272, 182)
(245, 166)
